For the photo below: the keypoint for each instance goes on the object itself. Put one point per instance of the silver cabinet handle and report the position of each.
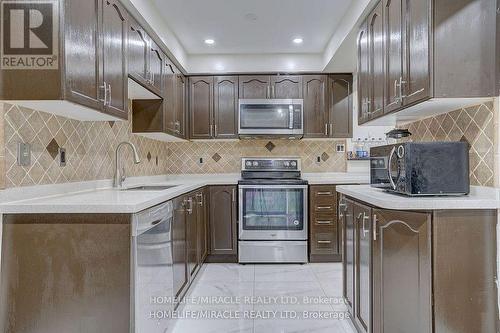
(190, 206)
(324, 242)
(401, 82)
(211, 130)
(326, 129)
(272, 91)
(268, 92)
(323, 222)
(375, 227)
(200, 197)
(233, 196)
(323, 207)
(331, 129)
(105, 87)
(215, 130)
(110, 96)
(365, 218)
(324, 193)
(396, 98)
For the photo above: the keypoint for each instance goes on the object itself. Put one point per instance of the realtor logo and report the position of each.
(29, 34)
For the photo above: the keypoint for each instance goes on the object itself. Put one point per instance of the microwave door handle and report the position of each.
(389, 168)
(290, 108)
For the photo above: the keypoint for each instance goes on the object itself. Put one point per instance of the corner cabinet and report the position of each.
(414, 271)
(223, 224)
(413, 51)
(85, 85)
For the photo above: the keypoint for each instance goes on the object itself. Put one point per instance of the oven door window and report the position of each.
(267, 116)
(273, 209)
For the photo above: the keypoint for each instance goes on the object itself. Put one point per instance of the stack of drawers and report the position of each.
(323, 225)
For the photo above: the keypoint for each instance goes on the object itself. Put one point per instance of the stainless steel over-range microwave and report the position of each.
(271, 118)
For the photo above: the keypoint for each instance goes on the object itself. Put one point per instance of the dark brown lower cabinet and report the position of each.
(179, 246)
(223, 224)
(324, 242)
(402, 272)
(419, 272)
(192, 236)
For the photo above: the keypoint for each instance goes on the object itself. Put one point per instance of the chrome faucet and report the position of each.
(119, 177)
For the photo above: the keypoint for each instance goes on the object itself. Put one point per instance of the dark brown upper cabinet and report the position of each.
(138, 52)
(180, 105)
(169, 95)
(254, 86)
(223, 226)
(156, 68)
(376, 62)
(327, 106)
(316, 117)
(225, 107)
(340, 106)
(201, 92)
(363, 74)
(86, 85)
(286, 86)
(426, 53)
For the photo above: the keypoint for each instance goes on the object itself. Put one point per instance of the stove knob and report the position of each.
(248, 163)
(255, 163)
(286, 163)
(294, 164)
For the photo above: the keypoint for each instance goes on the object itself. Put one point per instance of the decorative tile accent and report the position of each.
(216, 157)
(111, 123)
(474, 125)
(53, 148)
(270, 146)
(325, 157)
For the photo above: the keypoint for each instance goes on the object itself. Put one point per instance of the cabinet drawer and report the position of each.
(325, 208)
(323, 191)
(324, 241)
(326, 221)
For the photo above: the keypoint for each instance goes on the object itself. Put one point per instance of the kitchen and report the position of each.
(188, 166)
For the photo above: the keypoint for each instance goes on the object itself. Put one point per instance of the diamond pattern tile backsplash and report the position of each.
(90, 151)
(476, 125)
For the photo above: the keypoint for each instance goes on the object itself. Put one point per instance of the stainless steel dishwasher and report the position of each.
(152, 270)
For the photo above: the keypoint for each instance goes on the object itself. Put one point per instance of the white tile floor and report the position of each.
(253, 291)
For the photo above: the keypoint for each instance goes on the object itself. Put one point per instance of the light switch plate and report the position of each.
(23, 154)
(62, 157)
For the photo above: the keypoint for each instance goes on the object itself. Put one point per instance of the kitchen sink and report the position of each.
(150, 188)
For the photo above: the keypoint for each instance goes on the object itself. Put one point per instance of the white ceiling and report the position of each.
(252, 26)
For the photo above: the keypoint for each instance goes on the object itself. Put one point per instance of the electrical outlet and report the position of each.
(62, 157)
(340, 148)
(23, 154)
(318, 159)
(201, 160)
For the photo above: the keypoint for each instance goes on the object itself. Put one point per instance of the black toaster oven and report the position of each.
(421, 168)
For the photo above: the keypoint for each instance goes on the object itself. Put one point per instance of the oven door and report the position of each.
(273, 212)
(270, 117)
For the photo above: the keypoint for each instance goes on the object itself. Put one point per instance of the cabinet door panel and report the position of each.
(156, 67)
(340, 105)
(401, 261)
(226, 107)
(169, 84)
(363, 274)
(363, 74)
(417, 51)
(223, 230)
(114, 30)
(254, 87)
(202, 224)
(348, 262)
(180, 105)
(179, 249)
(201, 89)
(393, 39)
(376, 50)
(83, 74)
(192, 237)
(315, 110)
(286, 86)
(137, 51)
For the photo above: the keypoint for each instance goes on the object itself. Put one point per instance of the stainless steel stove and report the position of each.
(272, 211)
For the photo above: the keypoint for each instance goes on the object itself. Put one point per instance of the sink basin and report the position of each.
(150, 188)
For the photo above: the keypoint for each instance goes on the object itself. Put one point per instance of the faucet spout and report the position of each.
(119, 178)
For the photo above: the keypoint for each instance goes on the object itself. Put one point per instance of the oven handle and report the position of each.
(389, 168)
(300, 187)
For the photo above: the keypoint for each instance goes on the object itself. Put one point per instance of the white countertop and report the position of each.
(100, 197)
(479, 198)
